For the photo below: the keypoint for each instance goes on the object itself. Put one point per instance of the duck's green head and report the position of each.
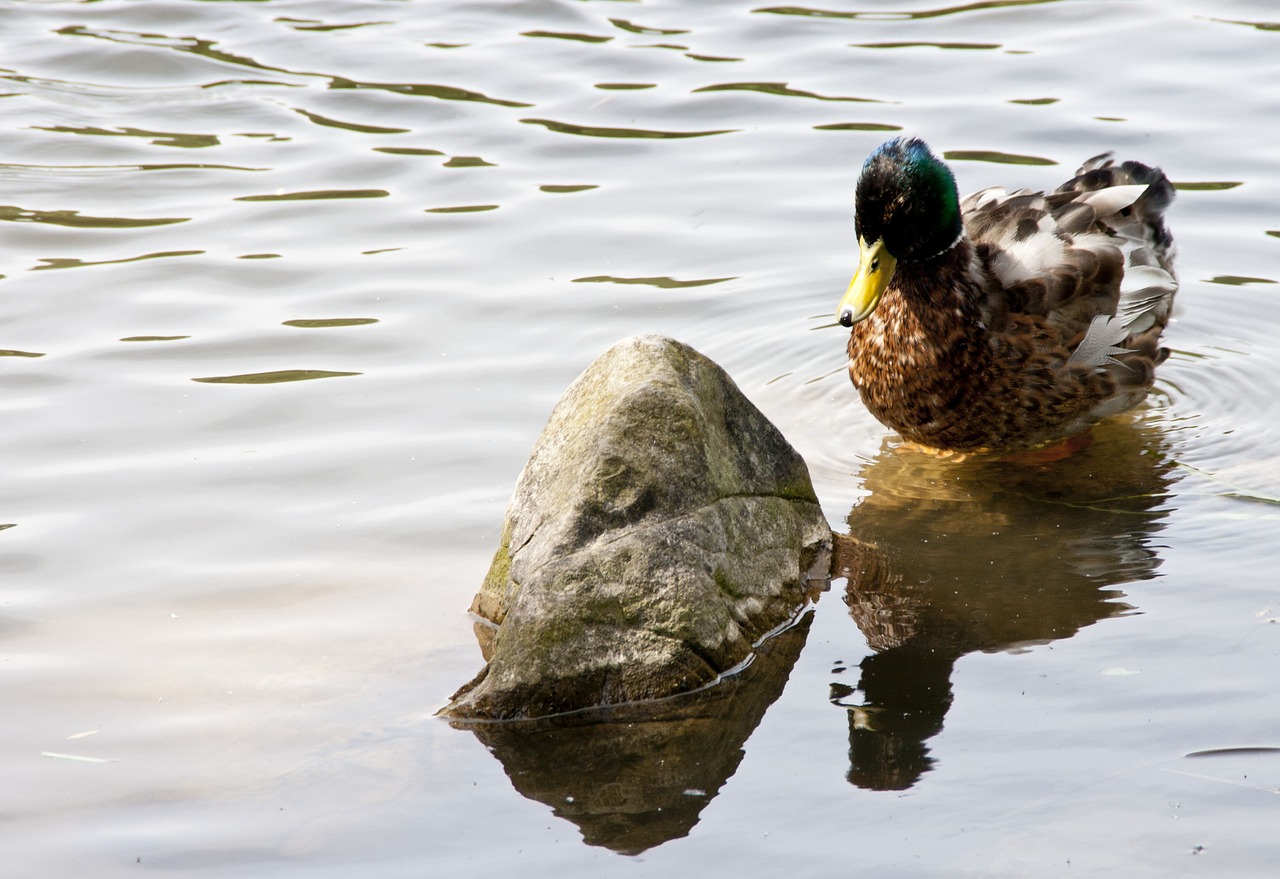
(908, 211)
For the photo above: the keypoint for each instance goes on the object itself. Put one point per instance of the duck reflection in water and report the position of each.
(948, 557)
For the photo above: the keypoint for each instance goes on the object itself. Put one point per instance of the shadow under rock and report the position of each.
(945, 558)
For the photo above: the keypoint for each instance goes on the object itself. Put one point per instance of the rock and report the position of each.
(660, 529)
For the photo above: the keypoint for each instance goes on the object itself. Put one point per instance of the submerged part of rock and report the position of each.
(660, 529)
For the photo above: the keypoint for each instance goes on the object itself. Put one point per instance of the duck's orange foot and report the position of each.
(1057, 451)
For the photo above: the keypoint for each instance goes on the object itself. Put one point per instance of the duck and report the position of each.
(1011, 320)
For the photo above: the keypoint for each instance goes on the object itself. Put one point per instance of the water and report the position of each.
(291, 287)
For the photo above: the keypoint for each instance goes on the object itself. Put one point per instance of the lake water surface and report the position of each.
(290, 287)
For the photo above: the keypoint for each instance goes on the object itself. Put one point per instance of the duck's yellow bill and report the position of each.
(875, 270)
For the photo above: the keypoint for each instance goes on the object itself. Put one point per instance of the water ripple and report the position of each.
(407, 151)
(901, 16)
(159, 138)
(781, 88)
(463, 209)
(207, 49)
(602, 131)
(315, 25)
(634, 28)
(713, 59)
(349, 126)
(1206, 185)
(562, 35)
(271, 378)
(97, 94)
(317, 194)
(468, 162)
(663, 282)
(925, 45)
(858, 126)
(193, 45)
(1237, 280)
(424, 90)
(72, 263)
(996, 157)
(331, 322)
(75, 219)
(1257, 25)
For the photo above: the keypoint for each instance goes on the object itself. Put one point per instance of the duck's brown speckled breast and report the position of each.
(927, 366)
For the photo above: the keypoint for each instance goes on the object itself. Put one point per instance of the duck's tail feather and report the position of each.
(1101, 172)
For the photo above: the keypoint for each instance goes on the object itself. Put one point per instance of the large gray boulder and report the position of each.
(660, 529)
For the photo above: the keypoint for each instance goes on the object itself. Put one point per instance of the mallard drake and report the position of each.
(1009, 320)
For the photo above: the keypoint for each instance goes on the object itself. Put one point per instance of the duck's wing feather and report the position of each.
(1093, 260)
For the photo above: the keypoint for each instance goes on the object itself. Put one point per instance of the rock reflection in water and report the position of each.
(945, 558)
(633, 777)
